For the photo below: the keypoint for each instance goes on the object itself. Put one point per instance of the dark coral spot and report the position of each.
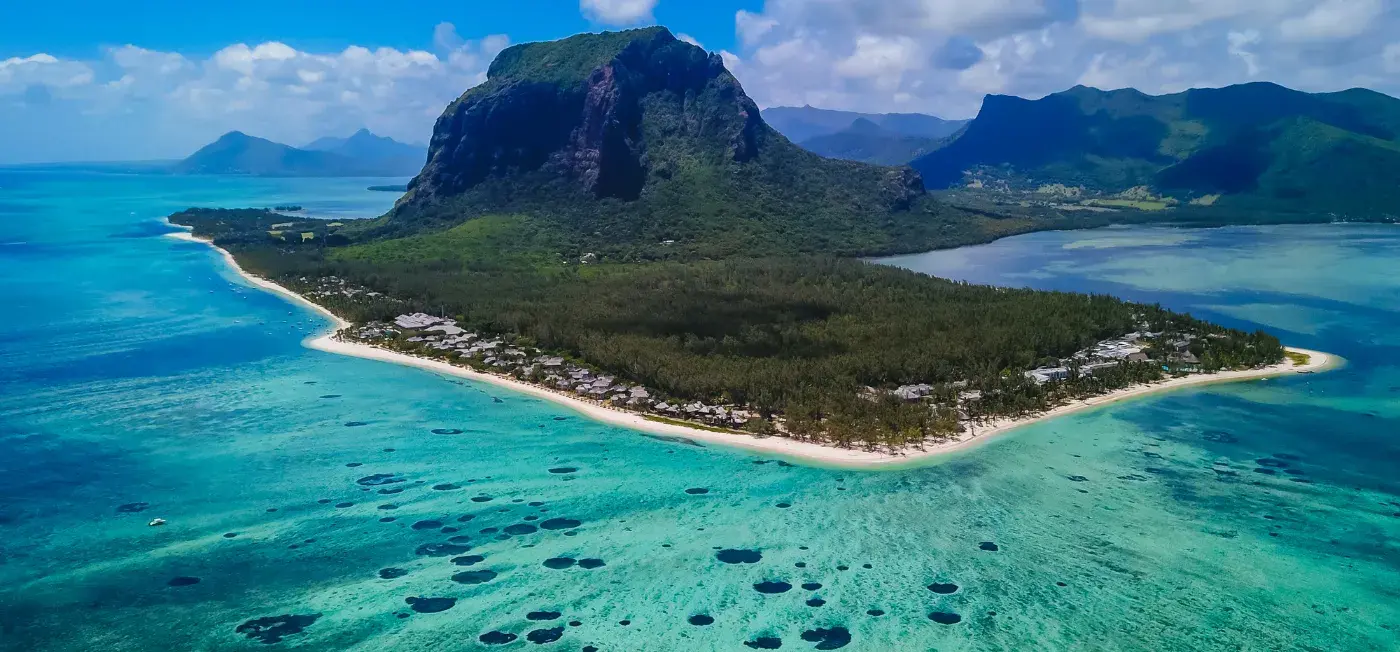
(811, 586)
(697, 491)
(783, 505)
(330, 396)
(700, 620)
(764, 643)
(344, 505)
(489, 530)
(542, 636)
(988, 546)
(945, 618)
(441, 549)
(1078, 478)
(427, 525)
(815, 602)
(542, 615)
(468, 560)
(461, 538)
(465, 517)
(272, 629)
(560, 524)
(388, 519)
(559, 563)
(446, 486)
(351, 465)
(496, 638)
(132, 508)
(828, 639)
(1266, 471)
(518, 529)
(388, 507)
(474, 577)
(378, 479)
(183, 581)
(446, 431)
(230, 535)
(390, 491)
(354, 424)
(942, 588)
(590, 563)
(735, 556)
(481, 499)
(1270, 462)
(772, 586)
(391, 573)
(563, 470)
(875, 612)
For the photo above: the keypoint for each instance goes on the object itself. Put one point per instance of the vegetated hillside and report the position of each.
(366, 147)
(1258, 144)
(803, 123)
(627, 140)
(868, 142)
(239, 153)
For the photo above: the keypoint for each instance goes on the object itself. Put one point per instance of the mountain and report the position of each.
(801, 124)
(868, 142)
(365, 146)
(1256, 144)
(239, 153)
(622, 141)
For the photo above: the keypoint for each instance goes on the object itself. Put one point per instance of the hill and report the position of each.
(365, 146)
(239, 153)
(868, 142)
(1258, 145)
(635, 145)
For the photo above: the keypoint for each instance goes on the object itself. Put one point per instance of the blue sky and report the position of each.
(155, 79)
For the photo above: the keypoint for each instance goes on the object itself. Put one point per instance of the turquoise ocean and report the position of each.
(318, 502)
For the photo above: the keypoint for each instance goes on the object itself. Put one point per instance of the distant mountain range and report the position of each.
(883, 138)
(1259, 145)
(361, 154)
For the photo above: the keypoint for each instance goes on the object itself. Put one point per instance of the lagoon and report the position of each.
(328, 503)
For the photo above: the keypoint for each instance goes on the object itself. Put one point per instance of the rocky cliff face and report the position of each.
(592, 129)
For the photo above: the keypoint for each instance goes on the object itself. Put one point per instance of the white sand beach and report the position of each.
(810, 453)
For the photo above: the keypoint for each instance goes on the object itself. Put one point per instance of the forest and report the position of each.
(801, 336)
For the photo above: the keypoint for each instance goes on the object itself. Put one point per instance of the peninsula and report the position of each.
(608, 222)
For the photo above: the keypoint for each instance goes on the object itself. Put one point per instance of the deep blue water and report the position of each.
(137, 369)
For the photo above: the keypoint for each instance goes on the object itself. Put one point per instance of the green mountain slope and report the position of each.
(625, 141)
(867, 142)
(1258, 144)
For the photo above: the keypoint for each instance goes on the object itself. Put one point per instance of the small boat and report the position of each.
(156, 522)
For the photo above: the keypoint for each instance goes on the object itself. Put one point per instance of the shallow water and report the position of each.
(137, 370)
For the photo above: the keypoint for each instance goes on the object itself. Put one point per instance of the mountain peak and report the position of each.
(630, 139)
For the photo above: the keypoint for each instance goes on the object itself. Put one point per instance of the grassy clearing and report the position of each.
(1299, 359)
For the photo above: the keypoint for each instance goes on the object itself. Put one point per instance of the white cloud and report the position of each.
(942, 56)
(618, 12)
(1391, 58)
(18, 74)
(1238, 42)
(689, 39)
(163, 104)
(1332, 19)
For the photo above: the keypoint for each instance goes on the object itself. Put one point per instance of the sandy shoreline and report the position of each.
(810, 453)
